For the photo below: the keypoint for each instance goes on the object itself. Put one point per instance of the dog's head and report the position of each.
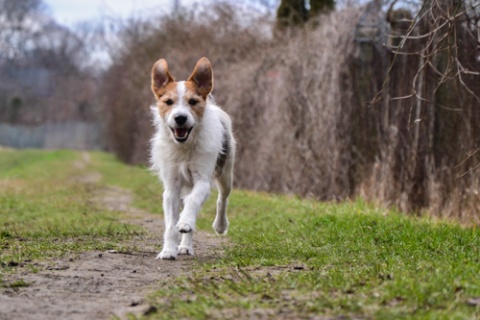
(181, 104)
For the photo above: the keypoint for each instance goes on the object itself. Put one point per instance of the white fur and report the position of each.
(187, 170)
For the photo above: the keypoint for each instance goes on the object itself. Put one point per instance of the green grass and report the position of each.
(17, 284)
(287, 258)
(46, 212)
(143, 184)
(302, 258)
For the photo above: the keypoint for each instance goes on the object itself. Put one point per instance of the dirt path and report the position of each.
(101, 285)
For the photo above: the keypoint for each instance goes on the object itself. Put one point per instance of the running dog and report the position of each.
(192, 147)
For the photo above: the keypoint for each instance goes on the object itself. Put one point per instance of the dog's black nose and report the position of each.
(180, 119)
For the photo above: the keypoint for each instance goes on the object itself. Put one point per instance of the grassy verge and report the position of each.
(46, 211)
(138, 179)
(294, 258)
(288, 258)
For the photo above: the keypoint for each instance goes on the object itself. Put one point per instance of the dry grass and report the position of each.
(300, 101)
(290, 116)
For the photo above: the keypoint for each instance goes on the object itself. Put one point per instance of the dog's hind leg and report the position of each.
(224, 185)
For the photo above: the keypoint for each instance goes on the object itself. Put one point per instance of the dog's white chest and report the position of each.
(185, 172)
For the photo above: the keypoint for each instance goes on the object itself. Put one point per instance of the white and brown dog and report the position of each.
(192, 147)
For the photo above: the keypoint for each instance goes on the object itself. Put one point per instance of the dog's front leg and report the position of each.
(192, 204)
(186, 245)
(171, 209)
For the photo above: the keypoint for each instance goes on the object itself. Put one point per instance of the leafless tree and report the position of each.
(20, 22)
(429, 103)
(43, 68)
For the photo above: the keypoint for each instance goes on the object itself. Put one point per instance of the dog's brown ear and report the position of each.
(202, 76)
(160, 77)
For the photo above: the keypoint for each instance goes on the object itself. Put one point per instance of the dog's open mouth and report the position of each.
(181, 134)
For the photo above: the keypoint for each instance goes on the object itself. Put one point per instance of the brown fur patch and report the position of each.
(168, 92)
(202, 76)
(191, 92)
(161, 78)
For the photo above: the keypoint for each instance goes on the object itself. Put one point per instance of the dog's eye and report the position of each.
(192, 102)
(169, 102)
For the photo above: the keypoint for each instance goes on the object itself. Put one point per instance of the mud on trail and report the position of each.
(99, 284)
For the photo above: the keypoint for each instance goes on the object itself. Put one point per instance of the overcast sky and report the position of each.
(69, 12)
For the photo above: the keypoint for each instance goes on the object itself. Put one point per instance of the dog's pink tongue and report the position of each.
(180, 132)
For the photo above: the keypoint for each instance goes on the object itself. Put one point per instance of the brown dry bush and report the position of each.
(424, 122)
(283, 93)
(301, 105)
(291, 119)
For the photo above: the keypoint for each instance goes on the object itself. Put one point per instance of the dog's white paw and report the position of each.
(185, 250)
(184, 227)
(167, 254)
(220, 226)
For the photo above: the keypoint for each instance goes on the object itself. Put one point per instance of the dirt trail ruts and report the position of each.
(101, 285)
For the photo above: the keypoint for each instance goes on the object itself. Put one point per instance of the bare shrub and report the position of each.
(301, 103)
(426, 111)
(43, 78)
(290, 117)
(284, 94)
